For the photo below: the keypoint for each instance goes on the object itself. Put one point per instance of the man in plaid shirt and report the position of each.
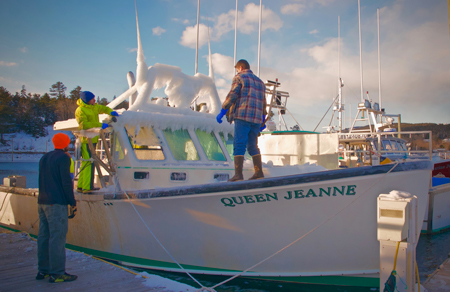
(246, 106)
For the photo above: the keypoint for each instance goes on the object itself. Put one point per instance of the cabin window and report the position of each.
(222, 176)
(228, 143)
(118, 151)
(178, 176)
(181, 145)
(145, 143)
(141, 175)
(395, 146)
(386, 145)
(210, 145)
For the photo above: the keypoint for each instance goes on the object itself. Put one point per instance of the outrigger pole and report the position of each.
(235, 34)
(196, 46)
(360, 51)
(259, 42)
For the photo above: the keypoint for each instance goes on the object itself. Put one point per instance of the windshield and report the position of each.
(210, 145)
(181, 145)
(145, 143)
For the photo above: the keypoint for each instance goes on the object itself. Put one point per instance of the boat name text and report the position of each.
(349, 190)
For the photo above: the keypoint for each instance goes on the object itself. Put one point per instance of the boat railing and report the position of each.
(410, 153)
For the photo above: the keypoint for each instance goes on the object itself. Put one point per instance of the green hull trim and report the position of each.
(327, 280)
(159, 265)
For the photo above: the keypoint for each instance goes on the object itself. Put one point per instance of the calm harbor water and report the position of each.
(432, 250)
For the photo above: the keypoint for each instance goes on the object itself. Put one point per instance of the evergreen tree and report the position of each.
(5, 113)
(58, 90)
(75, 93)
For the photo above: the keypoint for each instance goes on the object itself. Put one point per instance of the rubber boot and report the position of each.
(257, 164)
(238, 165)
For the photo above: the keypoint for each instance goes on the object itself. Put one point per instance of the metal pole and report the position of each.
(360, 51)
(235, 34)
(379, 58)
(196, 47)
(259, 42)
(339, 76)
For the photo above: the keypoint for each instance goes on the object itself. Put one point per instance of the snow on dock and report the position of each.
(439, 281)
(18, 269)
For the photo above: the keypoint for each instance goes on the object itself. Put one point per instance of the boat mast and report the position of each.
(379, 58)
(339, 76)
(360, 51)
(235, 34)
(259, 42)
(196, 46)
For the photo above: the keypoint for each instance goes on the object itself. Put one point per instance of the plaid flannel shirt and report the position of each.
(246, 99)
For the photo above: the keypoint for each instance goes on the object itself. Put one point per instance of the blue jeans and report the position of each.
(53, 226)
(245, 136)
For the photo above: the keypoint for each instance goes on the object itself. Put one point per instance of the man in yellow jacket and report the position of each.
(87, 118)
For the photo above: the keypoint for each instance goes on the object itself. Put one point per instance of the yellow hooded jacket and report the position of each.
(87, 117)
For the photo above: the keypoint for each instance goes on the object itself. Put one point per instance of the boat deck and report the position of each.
(439, 281)
(18, 269)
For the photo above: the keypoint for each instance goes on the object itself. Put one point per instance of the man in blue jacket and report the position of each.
(55, 193)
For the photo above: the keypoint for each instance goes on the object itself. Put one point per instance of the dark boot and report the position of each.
(258, 167)
(238, 164)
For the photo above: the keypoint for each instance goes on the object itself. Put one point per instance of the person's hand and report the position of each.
(104, 126)
(114, 114)
(220, 115)
(72, 211)
(263, 125)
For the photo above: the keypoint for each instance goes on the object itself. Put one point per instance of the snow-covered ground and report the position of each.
(20, 142)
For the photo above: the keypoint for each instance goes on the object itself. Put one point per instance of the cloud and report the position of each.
(248, 21)
(7, 64)
(23, 50)
(223, 65)
(314, 31)
(132, 50)
(158, 30)
(183, 21)
(293, 8)
(189, 37)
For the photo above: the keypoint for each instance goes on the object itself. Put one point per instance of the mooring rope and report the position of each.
(168, 253)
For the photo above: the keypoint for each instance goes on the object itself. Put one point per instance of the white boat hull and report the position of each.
(228, 227)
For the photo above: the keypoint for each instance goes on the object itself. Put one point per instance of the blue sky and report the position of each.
(92, 44)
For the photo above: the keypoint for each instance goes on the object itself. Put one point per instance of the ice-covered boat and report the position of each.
(164, 202)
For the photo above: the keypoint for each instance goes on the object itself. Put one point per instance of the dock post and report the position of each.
(398, 234)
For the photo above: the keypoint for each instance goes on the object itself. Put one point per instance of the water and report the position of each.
(432, 250)
(28, 169)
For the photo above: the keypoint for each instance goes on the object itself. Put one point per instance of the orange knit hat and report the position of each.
(61, 141)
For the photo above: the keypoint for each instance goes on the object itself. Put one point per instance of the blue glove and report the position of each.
(104, 126)
(114, 114)
(264, 125)
(220, 115)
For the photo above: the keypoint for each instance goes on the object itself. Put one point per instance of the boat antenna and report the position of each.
(211, 70)
(360, 51)
(339, 76)
(196, 46)
(379, 57)
(259, 42)
(235, 34)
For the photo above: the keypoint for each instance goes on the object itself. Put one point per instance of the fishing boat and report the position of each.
(164, 201)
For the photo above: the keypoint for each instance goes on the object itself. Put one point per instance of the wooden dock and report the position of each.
(18, 269)
(439, 281)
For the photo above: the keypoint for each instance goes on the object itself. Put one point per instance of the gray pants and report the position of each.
(53, 227)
